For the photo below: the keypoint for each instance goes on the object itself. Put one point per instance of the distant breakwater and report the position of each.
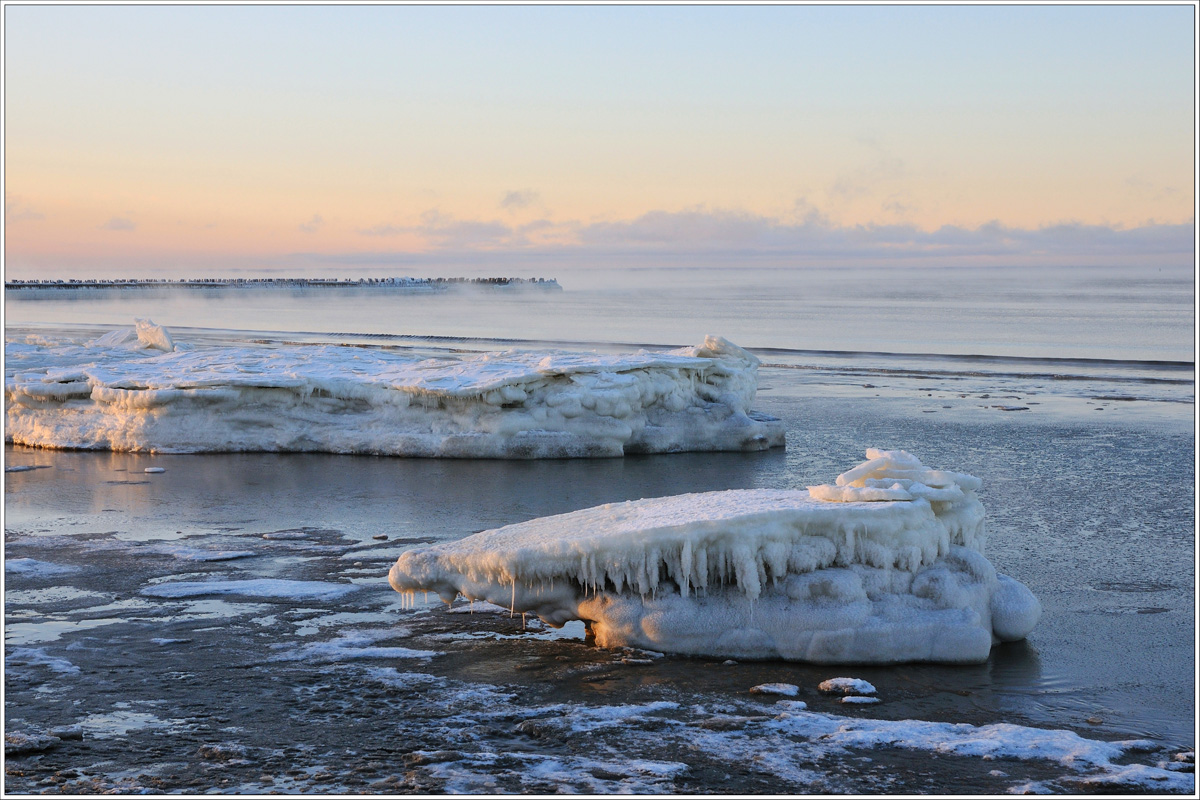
(411, 284)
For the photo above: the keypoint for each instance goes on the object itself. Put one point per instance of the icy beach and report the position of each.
(884, 567)
(167, 615)
(139, 390)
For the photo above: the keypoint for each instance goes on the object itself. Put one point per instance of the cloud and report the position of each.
(691, 228)
(119, 224)
(447, 231)
(727, 233)
(312, 225)
(521, 198)
(733, 237)
(17, 210)
(856, 183)
(383, 230)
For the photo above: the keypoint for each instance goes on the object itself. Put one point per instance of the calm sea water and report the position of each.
(1127, 314)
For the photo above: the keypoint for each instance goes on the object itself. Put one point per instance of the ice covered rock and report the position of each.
(757, 574)
(846, 686)
(137, 390)
(785, 689)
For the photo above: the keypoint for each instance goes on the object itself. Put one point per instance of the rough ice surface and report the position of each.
(354, 645)
(139, 390)
(838, 574)
(40, 569)
(255, 587)
(846, 686)
(785, 689)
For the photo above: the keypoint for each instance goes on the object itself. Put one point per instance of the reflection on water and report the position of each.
(432, 498)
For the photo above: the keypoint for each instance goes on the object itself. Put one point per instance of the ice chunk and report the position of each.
(153, 337)
(755, 573)
(139, 391)
(35, 568)
(255, 587)
(785, 689)
(847, 686)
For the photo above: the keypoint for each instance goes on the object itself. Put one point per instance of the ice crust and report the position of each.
(837, 574)
(139, 390)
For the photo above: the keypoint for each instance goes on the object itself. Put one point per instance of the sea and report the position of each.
(1070, 391)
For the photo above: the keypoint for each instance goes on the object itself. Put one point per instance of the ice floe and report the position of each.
(847, 686)
(885, 566)
(138, 390)
(36, 656)
(785, 689)
(253, 587)
(35, 568)
(353, 645)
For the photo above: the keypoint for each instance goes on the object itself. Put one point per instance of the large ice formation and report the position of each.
(138, 390)
(886, 566)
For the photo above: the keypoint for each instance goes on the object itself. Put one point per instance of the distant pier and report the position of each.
(425, 284)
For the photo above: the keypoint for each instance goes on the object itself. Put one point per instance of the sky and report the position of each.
(205, 139)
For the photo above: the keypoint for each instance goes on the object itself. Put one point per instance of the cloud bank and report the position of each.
(720, 237)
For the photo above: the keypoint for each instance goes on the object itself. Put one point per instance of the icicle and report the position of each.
(512, 608)
(685, 567)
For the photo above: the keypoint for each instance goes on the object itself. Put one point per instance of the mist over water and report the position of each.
(1117, 313)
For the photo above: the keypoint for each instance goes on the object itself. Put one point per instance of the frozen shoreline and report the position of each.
(353, 676)
(141, 391)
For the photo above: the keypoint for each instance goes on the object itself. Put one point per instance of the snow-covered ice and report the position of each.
(36, 568)
(785, 689)
(886, 566)
(354, 645)
(139, 390)
(253, 587)
(846, 686)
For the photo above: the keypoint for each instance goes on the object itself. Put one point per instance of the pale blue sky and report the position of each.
(249, 120)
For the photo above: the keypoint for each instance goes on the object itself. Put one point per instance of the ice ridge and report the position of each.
(139, 390)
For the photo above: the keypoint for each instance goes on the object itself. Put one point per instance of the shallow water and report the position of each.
(1079, 512)
(1088, 482)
